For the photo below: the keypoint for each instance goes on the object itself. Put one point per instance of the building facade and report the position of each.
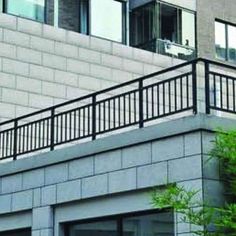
(87, 56)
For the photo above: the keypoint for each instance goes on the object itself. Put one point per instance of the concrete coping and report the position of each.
(158, 131)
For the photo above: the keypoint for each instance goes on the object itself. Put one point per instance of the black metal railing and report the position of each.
(132, 103)
(220, 82)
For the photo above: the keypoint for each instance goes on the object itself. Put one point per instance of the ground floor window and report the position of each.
(21, 232)
(135, 224)
(32, 9)
(225, 41)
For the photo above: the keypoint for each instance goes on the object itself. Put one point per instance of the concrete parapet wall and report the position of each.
(123, 164)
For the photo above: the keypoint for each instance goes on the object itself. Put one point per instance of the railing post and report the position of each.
(207, 88)
(15, 140)
(52, 129)
(140, 103)
(194, 86)
(94, 117)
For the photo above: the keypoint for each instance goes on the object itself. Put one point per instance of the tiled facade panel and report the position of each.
(60, 65)
(115, 171)
(109, 172)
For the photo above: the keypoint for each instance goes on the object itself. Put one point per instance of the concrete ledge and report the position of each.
(134, 137)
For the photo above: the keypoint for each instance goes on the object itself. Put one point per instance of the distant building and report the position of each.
(103, 100)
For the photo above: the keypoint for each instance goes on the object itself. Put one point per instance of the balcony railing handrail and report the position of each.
(101, 91)
(175, 44)
(172, 95)
(216, 63)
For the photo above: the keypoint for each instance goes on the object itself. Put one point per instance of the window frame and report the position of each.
(123, 24)
(179, 8)
(227, 24)
(4, 9)
(16, 231)
(118, 218)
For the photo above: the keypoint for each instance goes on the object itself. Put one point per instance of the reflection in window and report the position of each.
(143, 25)
(103, 228)
(72, 15)
(149, 225)
(225, 41)
(164, 29)
(152, 224)
(169, 23)
(232, 43)
(187, 29)
(32, 9)
(107, 19)
(220, 40)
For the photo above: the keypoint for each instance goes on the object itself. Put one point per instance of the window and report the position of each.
(225, 41)
(32, 9)
(143, 25)
(22, 232)
(163, 28)
(138, 224)
(107, 19)
(72, 15)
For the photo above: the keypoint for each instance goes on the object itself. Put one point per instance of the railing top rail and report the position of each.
(119, 86)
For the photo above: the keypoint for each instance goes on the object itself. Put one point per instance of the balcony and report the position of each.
(168, 48)
(197, 86)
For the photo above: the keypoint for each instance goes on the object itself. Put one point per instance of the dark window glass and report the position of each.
(107, 19)
(143, 24)
(25, 232)
(169, 16)
(103, 228)
(232, 43)
(220, 40)
(72, 15)
(164, 29)
(149, 225)
(32, 9)
(139, 225)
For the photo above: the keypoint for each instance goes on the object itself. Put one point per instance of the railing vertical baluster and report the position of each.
(234, 95)
(52, 129)
(15, 140)
(194, 86)
(140, 103)
(207, 88)
(94, 117)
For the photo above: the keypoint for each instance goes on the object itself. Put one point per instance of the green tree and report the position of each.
(201, 214)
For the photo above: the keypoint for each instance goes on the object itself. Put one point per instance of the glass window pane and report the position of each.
(102, 228)
(68, 14)
(144, 26)
(149, 225)
(32, 9)
(106, 19)
(220, 40)
(25, 232)
(232, 43)
(188, 29)
(169, 23)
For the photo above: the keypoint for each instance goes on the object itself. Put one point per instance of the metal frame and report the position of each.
(16, 231)
(139, 104)
(227, 24)
(118, 218)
